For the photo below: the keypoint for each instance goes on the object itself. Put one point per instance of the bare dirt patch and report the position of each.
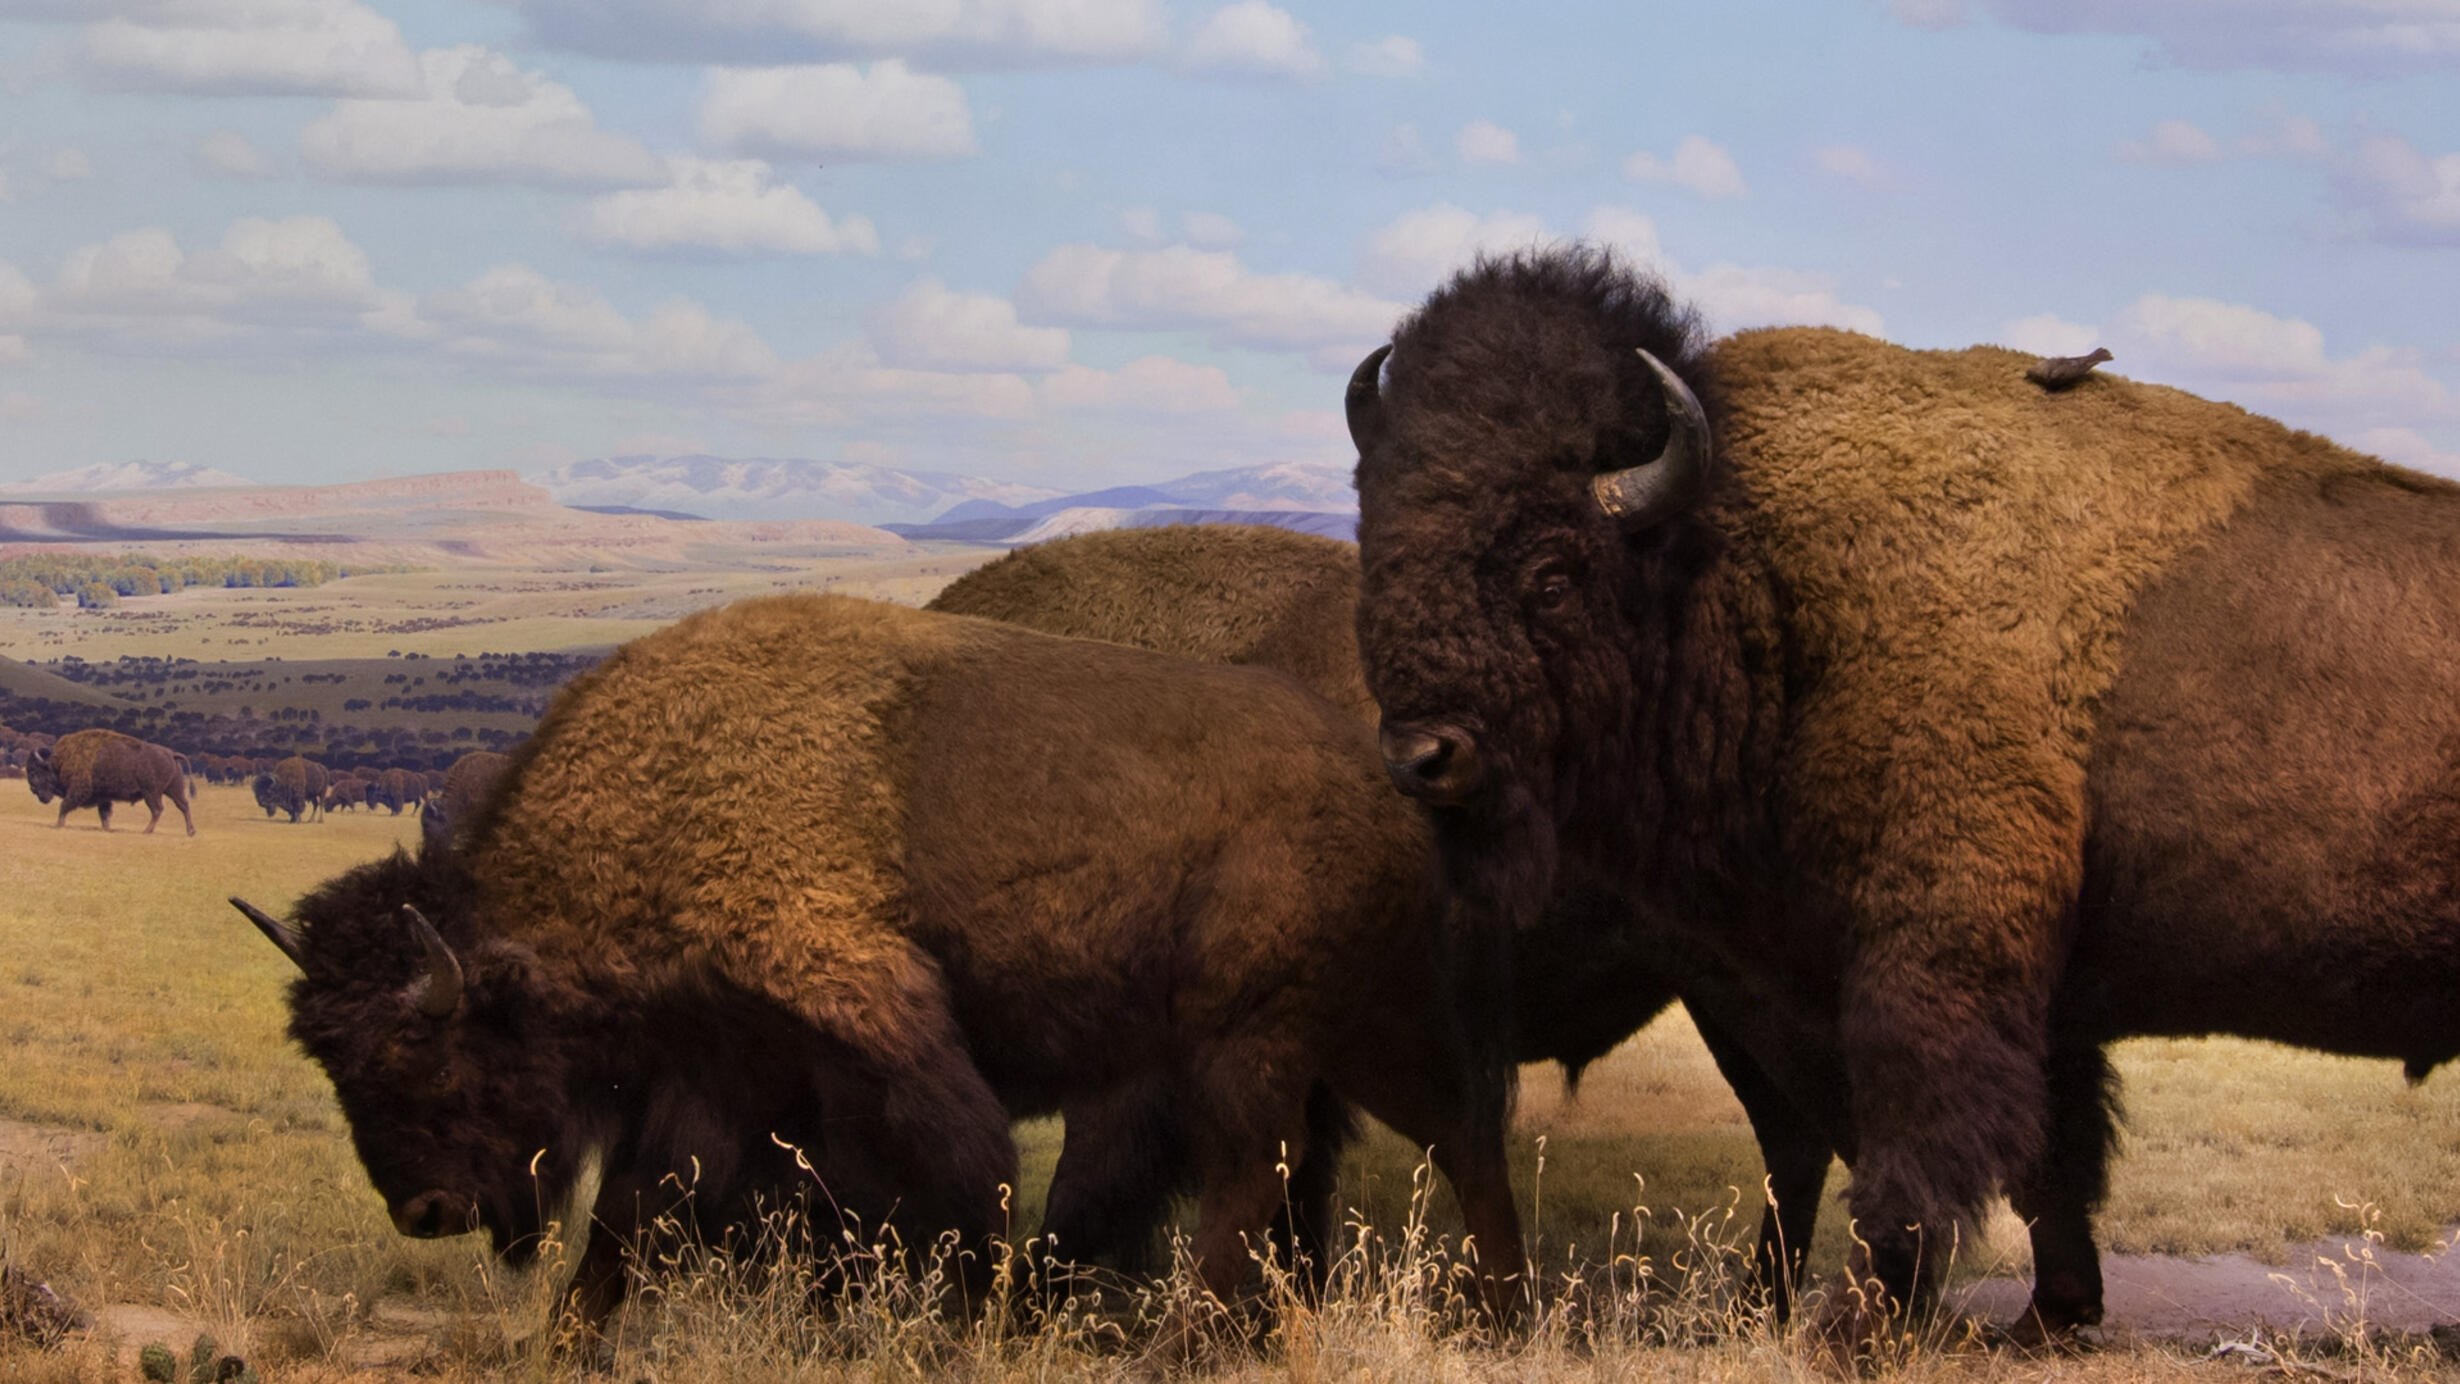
(31, 1150)
(2325, 1287)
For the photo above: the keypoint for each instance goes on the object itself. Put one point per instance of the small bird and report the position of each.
(2058, 372)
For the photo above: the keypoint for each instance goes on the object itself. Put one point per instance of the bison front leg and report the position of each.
(2059, 1198)
(1796, 1152)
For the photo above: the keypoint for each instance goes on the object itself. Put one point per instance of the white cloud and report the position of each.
(482, 120)
(2296, 136)
(301, 274)
(513, 317)
(228, 154)
(1142, 225)
(929, 327)
(2359, 37)
(251, 48)
(1734, 296)
(2173, 141)
(1154, 384)
(1403, 154)
(2406, 195)
(1699, 165)
(1210, 230)
(1481, 142)
(1182, 287)
(1410, 255)
(734, 207)
(71, 166)
(1255, 38)
(1848, 161)
(944, 34)
(837, 111)
(1389, 56)
(2047, 334)
(2276, 365)
(16, 406)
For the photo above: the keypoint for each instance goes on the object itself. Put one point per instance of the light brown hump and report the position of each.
(1960, 549)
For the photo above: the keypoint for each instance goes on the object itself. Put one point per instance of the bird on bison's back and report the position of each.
(1949, 729)
(1015, 871)
(96, 768)
(1582, 978)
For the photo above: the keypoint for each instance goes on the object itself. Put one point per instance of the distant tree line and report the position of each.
(94, 579)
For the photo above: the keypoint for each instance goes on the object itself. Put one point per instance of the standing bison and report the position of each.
(1581, 981)
(295, 785)
(1947, 729)
(96, 768)
(1010, 872)
(465, 786)
(397, 788)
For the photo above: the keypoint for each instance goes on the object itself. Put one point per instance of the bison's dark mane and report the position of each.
(1577, 310)
(1656, 746)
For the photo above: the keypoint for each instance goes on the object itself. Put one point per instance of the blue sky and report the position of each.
(1086, 242)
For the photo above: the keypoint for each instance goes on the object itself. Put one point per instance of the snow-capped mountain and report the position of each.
(924, 502)
(123, 476)
(774, 488)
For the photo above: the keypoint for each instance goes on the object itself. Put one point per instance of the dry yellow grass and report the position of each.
(141, 1030)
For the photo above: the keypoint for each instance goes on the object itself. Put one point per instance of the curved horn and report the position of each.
(280, 933)
(439, 991)
(1364, 404)
(1646, 494)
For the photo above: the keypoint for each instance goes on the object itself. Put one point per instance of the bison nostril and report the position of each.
(431, 1215)
(1439, 766)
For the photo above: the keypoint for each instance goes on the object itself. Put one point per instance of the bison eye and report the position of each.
(1549, 587)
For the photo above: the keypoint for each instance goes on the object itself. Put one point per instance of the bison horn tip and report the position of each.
(276, 931)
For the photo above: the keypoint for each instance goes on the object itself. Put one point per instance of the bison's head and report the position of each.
(451, 1058)
(42, 775)
(1528, 455)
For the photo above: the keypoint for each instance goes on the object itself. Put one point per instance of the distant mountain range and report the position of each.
(771, 488)
(944, 505)
(106, 476)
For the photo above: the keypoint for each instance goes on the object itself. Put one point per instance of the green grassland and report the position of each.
(164, 1149)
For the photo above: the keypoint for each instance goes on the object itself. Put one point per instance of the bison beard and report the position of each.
(1946, 731)
(884, 880)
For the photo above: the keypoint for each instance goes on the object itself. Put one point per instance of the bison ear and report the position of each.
(1642, 496)
(280, 933)
(1365, 402)
(438, 993)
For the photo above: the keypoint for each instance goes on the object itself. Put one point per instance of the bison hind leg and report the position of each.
(1125, 1155)
(153, 802)
(1309, 1219)
(2059, 1196)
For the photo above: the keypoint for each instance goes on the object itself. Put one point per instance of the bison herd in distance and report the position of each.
(1921, 727)
(97, 768)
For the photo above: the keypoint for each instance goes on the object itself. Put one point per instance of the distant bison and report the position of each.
(96, 768)
(465, 786)
(398, 788)
(872, 882)
(295, 785)
(1267, 597)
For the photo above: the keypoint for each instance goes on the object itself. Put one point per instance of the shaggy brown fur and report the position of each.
(1224, 593)
(882, 881)
(295, 785)
(1581, 982)
(397, 789)
(96, 768)
(1839, 724)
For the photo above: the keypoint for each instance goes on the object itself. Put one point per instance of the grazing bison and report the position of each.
(295, 785)
(96, 768)
(465, 786)
(1582, 982)
(1011, 871)
(1945, 729)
